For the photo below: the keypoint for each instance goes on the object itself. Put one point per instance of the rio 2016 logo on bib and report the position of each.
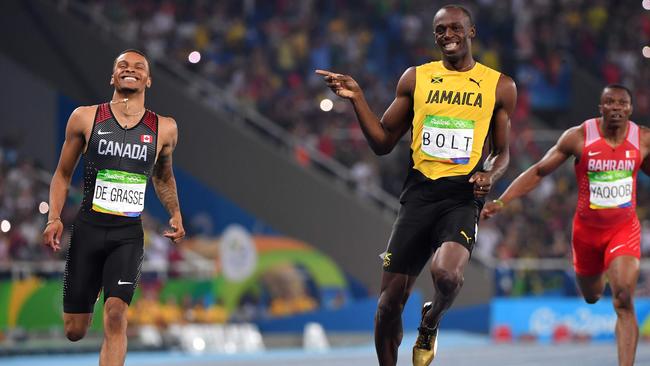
(610, 189)
(447, 139)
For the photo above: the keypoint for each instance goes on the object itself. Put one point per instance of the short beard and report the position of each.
(457, 57)
(126, 91)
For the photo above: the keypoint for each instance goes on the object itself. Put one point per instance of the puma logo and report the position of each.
(469, 240)
(478, 83)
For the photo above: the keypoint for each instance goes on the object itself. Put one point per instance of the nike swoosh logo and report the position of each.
(593, 153)
(616, 247)
(120, 282)
(100, 132)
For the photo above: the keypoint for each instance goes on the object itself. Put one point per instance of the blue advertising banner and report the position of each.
(541, 317)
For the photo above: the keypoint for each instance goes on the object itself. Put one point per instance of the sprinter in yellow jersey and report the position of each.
(459, 113)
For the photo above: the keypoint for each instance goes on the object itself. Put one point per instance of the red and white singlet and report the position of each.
(605, 224)
(607, 177)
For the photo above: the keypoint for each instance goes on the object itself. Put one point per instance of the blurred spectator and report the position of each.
(211, 313)
(287, 291)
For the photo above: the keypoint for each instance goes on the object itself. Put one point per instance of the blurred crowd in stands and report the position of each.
(152, 309)
(265, 54)
(23, 185)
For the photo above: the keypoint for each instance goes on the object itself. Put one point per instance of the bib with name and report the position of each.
(610, 189)
(447, 139)
(119, 193)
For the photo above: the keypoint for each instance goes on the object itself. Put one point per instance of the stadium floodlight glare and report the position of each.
(194, 57)
(646, 4)
(43, 207)
(5, 226)
(646, 51)
(326, 105)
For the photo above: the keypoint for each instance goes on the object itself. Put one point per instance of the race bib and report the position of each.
(119, 193)
(447, 139)
(610, 189)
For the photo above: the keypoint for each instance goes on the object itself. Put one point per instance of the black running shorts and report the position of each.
(100, 256)
(422, 225)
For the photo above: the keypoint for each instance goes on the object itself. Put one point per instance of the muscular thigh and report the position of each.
(420, 228)
(594, 248)
(588, 247)
(125, 248)
(411, 244)
(625, 241)
(82, 278)
(459, 224)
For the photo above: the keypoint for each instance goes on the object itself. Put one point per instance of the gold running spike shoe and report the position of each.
(426, 344)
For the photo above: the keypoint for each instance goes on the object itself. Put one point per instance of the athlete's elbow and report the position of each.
(61, 178)
(381, 149)
(501, 157)
(381, 152)
(541, 173)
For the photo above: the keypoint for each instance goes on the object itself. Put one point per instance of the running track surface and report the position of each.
(455, 348)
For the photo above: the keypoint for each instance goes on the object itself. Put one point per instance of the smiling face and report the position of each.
(453, 33)
(615, 106)
(130, 73)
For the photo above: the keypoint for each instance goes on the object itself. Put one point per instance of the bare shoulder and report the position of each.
(506, 87)
(506, 94)
(644, 136)
(82, 118)
(167, 123)
(406, 84)
(409, 73)
(167, 130)
(575, 132)
(572, 140)
(84, 112)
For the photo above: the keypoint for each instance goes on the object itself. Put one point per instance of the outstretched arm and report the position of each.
(568, 145)
(72, 148)
(164, 181)
(499, 157)
(382, 135)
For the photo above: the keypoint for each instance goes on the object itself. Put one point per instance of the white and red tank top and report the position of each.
(607, 176)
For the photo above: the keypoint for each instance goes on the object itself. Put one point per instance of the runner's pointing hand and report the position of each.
(342, 85)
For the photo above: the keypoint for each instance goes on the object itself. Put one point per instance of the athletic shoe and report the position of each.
(426, 344)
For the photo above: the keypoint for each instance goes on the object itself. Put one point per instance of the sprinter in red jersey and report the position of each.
(608, 151)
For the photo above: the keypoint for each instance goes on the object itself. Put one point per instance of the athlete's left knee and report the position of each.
(623, 299)
(115, 315)
(448, 282)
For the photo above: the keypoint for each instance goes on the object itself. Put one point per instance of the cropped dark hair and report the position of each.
(134, 51)
(621, 87)
(466, 11)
